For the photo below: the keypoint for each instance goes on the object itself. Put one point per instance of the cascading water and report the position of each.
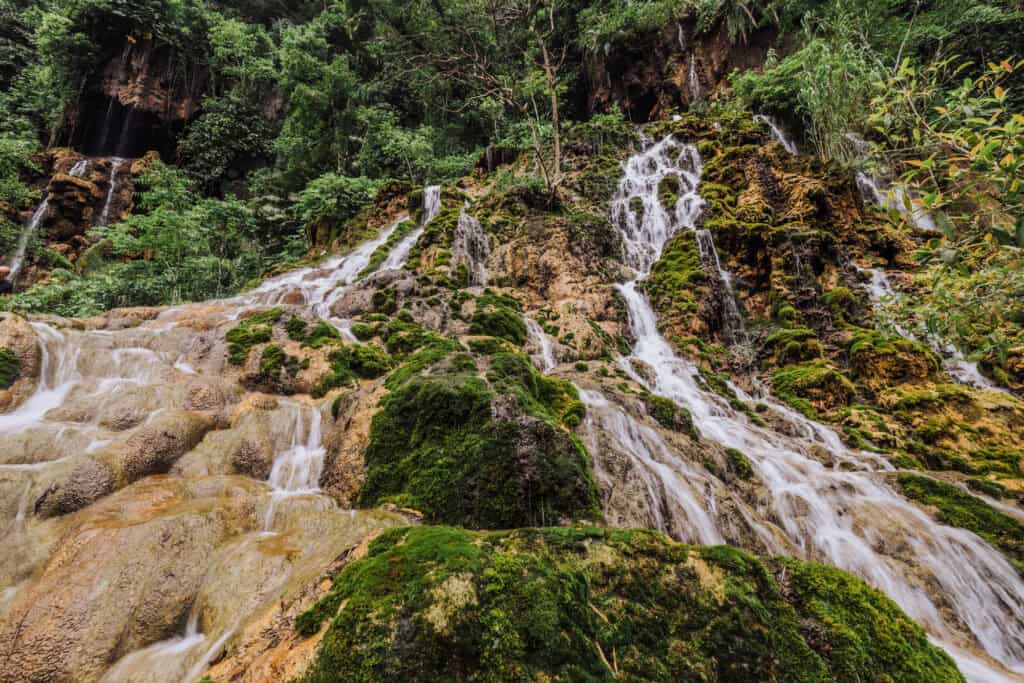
(296, 471)
(956, 585)
(431, 207)
(953, 361)
(670, 484)
(470, 247)
(895, 197)
(778, 133)
(543, 345)
(38, 216)
(96, 385)
(115, 168)
(693, 80)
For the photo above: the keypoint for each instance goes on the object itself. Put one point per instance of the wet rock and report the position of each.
(18, 338)
(153, 448)
(123, 577)
(344, 467)
(83, 485)
(72, 206)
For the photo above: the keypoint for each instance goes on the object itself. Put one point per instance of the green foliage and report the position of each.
(10, 368)
(739, 463)
(332, 200)
(958, 508)
(572, 603)
(229, 133)
(961, 146)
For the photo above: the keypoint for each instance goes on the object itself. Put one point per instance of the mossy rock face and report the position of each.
(813, 387)
(879, 360)
(677, 285)
(586, 604)
(481, 451)
(10, 368)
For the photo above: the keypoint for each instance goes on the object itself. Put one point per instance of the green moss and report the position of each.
(296, 329)
(487, 345)
(481, 452)
(988, 487)
(677, 282)
(880, 358)
(670, 415)
(365, 361)
(10, 368)
(276, 365)
(250, 332)
(739, 463)
(403, 338)
(380, 254)
(499, 316)
(961, 509)
(813, 386)
(569, 604)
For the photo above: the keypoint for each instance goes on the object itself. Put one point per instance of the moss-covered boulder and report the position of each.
(585, 604)
(484, 450)
(877, 360)
(813, 387)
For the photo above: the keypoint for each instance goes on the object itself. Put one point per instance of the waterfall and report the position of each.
(848, 517)
(296, 470)
(672, 485)
(541, 343)
(954, 363)
(896, 198)
(778, 133)
(693, 81)
(431, 207)
(38, 216)
(320, 286)
(470, 247)
(57, 375)
(116, 164)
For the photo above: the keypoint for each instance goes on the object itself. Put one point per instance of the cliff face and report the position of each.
(670, 70)
(138, 101)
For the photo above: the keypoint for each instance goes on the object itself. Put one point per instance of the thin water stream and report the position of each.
(38, 216)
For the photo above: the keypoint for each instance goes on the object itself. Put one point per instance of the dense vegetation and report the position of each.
(371, 90)
(437, 603)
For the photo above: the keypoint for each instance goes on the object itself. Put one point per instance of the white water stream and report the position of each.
(115, 167)
(542, 344)
(778, 133)
(957, 586)
(38, 216)
(470, 247)
(895, 197)
(431, 207)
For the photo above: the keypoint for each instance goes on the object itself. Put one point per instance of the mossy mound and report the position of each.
(10, 368)
(813, 387)
(483, 451)
(585, 604)
(877, 360)
(254, 330)
(677, 284)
